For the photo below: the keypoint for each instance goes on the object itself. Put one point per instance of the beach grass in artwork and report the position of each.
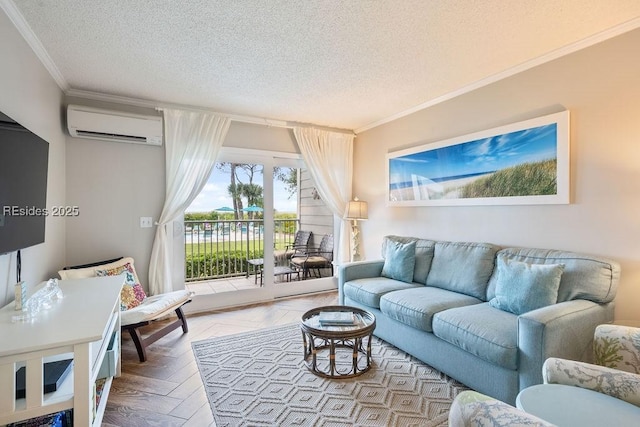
(528, 179)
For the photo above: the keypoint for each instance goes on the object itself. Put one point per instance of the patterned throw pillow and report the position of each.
(132, 293)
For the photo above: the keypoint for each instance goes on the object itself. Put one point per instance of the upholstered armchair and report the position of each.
(617, 370)
(616, 373)
(472, 409)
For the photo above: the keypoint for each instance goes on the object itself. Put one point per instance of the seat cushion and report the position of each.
(155, 307)
(416, 307)
(314, 261)
(369, 291)
(481, 330)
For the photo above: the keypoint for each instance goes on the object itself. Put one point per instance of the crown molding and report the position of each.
(29, 36)
(550, 56)
(137, 102)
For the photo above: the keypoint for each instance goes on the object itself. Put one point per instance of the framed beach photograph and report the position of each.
(521, 163)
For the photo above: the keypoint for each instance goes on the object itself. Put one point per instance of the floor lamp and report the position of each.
(357, 210)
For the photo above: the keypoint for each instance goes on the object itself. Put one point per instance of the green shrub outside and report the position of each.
(218, 259)
(229, 263)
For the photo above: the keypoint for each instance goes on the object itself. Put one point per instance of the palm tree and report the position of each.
(235, 191)
(253, 193)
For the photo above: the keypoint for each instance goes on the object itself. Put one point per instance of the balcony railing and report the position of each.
(219, 249)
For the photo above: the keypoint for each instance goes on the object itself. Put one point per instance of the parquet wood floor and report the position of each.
(167, 389)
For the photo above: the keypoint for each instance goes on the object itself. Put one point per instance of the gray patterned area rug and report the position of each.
(260, 379)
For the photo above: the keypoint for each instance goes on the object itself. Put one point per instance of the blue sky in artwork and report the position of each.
(478, 156)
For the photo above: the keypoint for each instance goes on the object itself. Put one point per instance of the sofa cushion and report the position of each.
(523, 287)
(463, 267)
(584, 276)
(399, 261)
(155, 307)
(416, 307)
(424, 255)
(481, 330)
(369, 291)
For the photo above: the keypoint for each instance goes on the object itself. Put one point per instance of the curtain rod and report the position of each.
(235, 117)
(258, 120)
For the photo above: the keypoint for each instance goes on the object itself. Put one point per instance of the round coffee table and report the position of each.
(337, 340)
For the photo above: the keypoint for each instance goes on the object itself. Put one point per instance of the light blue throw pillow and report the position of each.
(399, 261)
(522, 287)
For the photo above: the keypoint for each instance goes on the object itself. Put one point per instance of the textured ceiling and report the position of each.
(339, 63)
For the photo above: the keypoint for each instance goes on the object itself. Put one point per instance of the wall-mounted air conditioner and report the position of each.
(107, 125)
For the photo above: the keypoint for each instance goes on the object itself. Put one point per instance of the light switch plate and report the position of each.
(146, 222)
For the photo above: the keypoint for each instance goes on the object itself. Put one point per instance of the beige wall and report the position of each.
(601, 88)
(261, 137)
(113, 184)
(30, 96)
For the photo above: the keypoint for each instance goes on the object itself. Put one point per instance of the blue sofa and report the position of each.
(455, 306)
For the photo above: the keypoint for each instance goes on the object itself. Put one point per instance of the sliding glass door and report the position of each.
(240, 231)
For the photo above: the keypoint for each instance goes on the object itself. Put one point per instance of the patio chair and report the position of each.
(315, 259)
(298, 247)
(136, 309)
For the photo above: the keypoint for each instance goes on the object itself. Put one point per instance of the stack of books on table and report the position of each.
(337, 318)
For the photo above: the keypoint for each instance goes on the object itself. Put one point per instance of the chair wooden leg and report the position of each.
(142, 344)
(139, 343)
(180, 314)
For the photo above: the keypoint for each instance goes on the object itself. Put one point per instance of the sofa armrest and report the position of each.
(619, 384)
(560, 330)
(471, 409)
(357, 270)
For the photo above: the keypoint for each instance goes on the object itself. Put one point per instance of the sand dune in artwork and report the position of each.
(431, 190)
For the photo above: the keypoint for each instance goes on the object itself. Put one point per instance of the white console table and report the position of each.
(80, 326)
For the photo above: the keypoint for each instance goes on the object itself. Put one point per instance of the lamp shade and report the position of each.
(356, 209)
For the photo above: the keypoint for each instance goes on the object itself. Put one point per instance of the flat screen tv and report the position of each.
(24, 160)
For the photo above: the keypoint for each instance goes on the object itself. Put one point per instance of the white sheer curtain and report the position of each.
(192, 142)
(329, 158)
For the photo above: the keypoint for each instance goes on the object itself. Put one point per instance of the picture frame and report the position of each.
(522, 163)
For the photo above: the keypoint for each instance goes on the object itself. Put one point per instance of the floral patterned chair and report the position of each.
(616, 373)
